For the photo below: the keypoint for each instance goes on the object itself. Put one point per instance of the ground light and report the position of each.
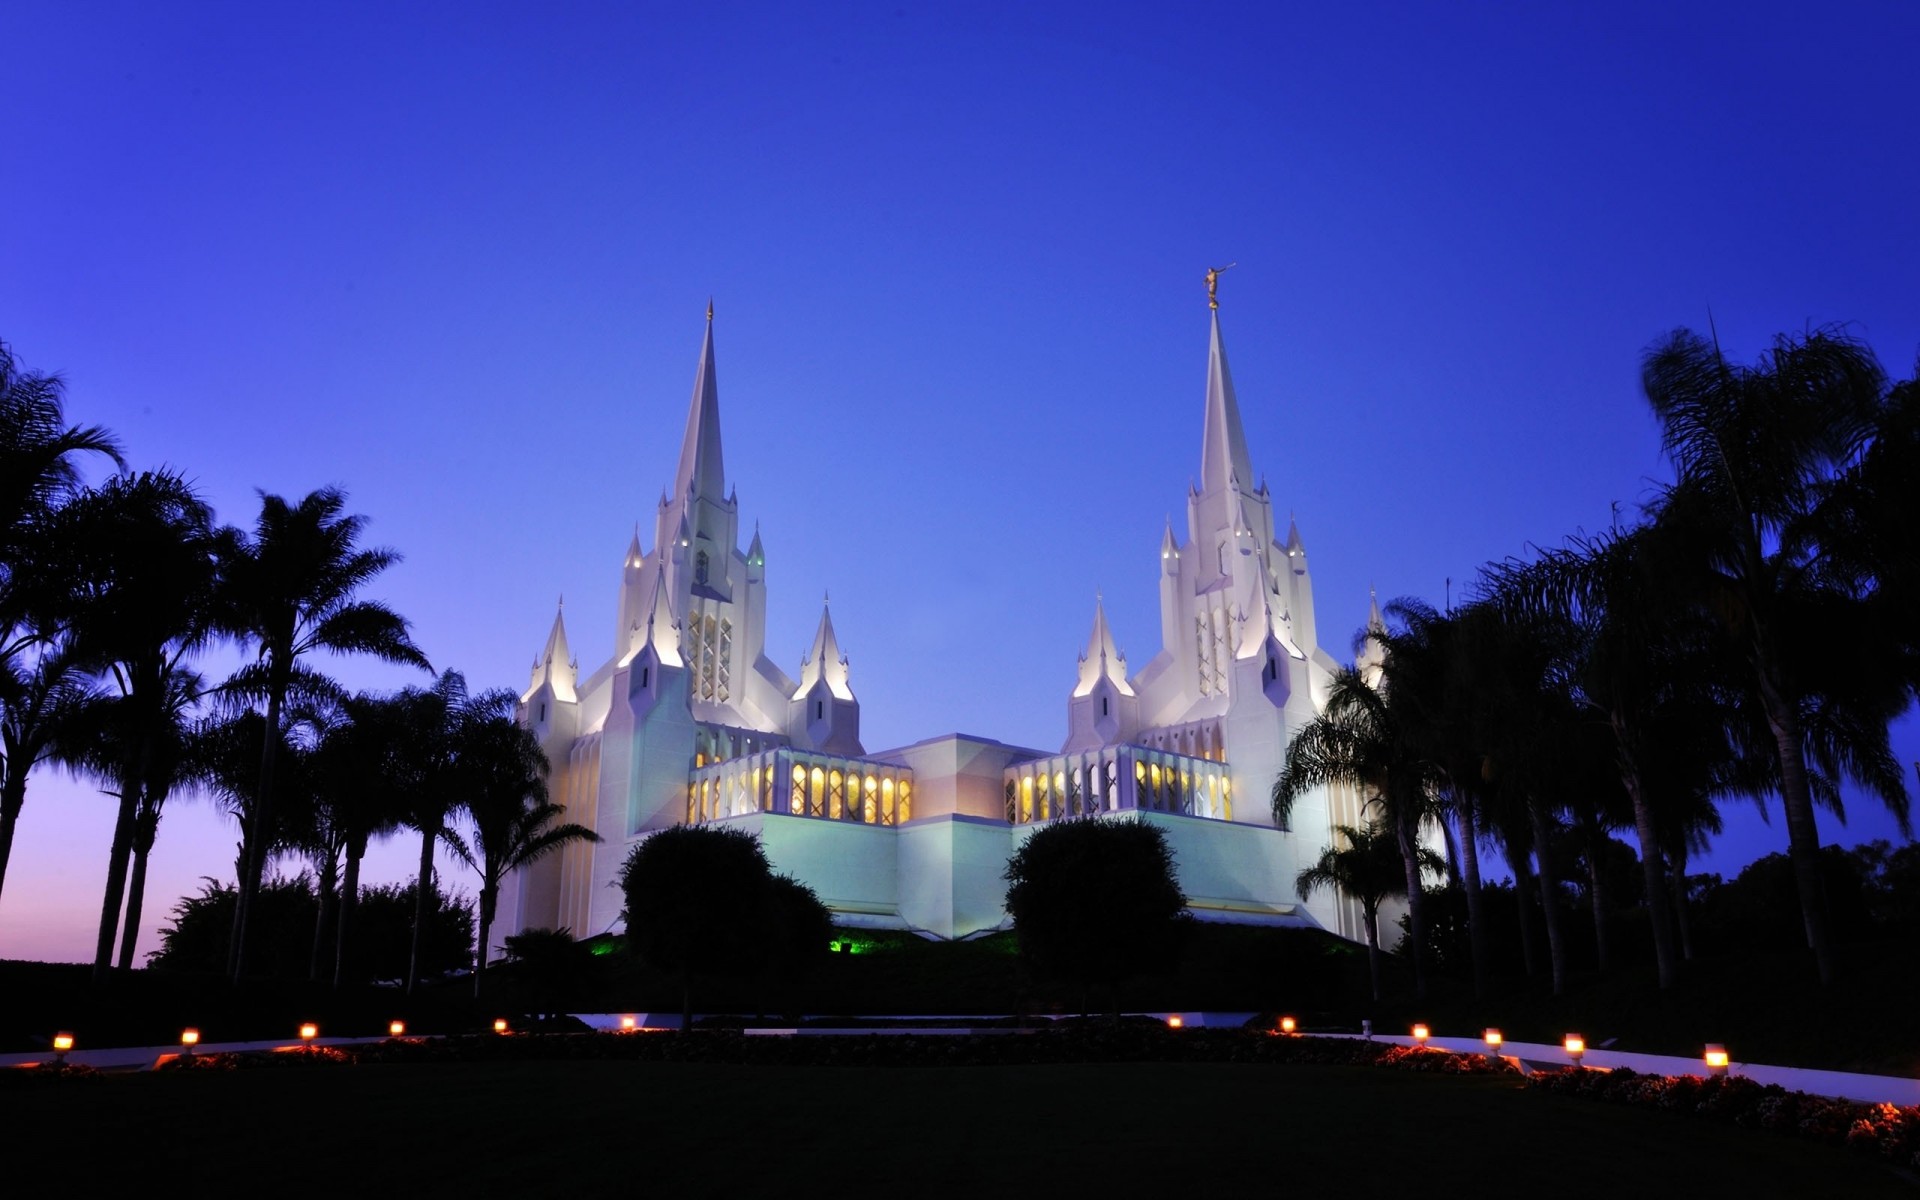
(1175, 1021)
(1576, 1047)
(1420, 1034)
(629, 1022)
(189, 1038)
(62, 1042)
(1286, 1025)
(396, 1029)
(1716, 1059)
(1494, 1039)
(499, 1024)
(309, 1031)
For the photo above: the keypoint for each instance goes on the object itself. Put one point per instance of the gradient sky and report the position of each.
(454, 258)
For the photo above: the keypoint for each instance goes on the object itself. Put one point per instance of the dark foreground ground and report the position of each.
(679, 1129)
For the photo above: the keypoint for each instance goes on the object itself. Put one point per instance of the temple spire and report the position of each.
(1223, 454)
(1102, 659)
(824, 660)
(701, 474)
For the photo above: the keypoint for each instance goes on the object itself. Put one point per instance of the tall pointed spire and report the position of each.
(1223, 454)
(662, 630)
(1102, 659)
(555, 662)
(701, 473)
(824, 661)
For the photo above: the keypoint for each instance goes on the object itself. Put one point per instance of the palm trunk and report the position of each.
(117, 856)
(1803, 835)
(489, 898)
(1523, 904)
(146, 827)
(1470, 881)
(349, 897)
(1677, 880)
(1416, 909)
(325, 919)
(1549, 891)
(1597, 890)
(1373, 950)
(1653, 872)
(420, 892)
(259, 823)
(13, 797)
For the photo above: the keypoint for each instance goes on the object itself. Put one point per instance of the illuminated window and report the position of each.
(723, 681)
(797, 800)
(816, 792)
(883, 813)
(1013, 804)
(837, 796)
(903, 809)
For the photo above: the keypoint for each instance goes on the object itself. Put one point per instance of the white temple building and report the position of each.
(691, 721)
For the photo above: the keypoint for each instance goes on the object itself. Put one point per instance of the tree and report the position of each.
(360, 776)
(293, 588)
(41, 680)
(145, 581)
(501, 775)
(695, 895)
(1366, 739)
(1367, 869)
(1760, 456)
(1095, 902)
(427, 766)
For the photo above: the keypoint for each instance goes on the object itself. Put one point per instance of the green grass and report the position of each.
(544, 1128)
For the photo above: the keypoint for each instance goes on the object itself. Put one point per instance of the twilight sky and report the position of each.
(454, 258)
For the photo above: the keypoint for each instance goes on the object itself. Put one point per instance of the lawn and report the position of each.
(682, 1129)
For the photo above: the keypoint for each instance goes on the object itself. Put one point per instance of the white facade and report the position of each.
(690, 721)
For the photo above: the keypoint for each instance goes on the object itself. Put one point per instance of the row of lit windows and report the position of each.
(1052, 790)
(808, 790)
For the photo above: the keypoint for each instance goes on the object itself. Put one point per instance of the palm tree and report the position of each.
(145, 587)
(435, 718)
(294, 588)
(1368, 869)
(1760, 454)
(40, 679)
(359, 777)
(1361, 740)
(502, 778)
(42, 692)
(38, 450)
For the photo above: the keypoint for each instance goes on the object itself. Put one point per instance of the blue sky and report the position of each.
(454, 258)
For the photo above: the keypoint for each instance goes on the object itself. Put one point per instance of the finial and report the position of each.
(709, 310)
(1213, 282)
(563, 599)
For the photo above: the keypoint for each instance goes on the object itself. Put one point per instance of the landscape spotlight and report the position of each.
(1576, 1046)
(1175, 1021)
(396, 1029)
(1286, 1025)
(189, 1038)
(1494, 1039)
(1420, 1035)
(629, 1022)
(309, 1031)
(62, 1042)
(1716, 1059)
(499, 1024)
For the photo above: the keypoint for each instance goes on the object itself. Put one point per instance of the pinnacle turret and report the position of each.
(1102, 659)
(824, 661)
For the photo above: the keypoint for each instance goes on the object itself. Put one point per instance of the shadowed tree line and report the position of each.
(110, 596)
(1748, 637)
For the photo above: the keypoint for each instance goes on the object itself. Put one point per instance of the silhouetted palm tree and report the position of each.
(360, 776)
(145, 602)
(1361, 741)
(502, 779)
(1367, 868)
(1759, 454)
(293, 589)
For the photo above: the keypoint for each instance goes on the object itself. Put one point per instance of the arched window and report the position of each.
(700, 568)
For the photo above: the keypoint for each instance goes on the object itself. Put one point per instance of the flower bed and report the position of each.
(1889, 1130)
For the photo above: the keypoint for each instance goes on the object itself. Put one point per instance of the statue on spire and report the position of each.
(1213, 283)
